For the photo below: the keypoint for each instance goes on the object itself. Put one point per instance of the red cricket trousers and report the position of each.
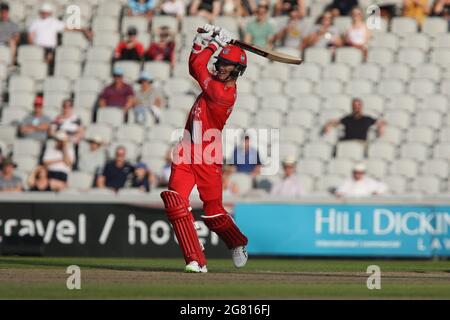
(208, 178)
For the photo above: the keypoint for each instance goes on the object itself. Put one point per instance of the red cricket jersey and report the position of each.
(214, 105)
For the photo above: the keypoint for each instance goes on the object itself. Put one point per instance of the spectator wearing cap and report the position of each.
(93, 159)
(356, 124)
(246, 158)
(130, 48)
(38, 180)
(209, 9)
(141, 8)
(359, 185)
(44, 31)
(289, 185)
(118, 93)
(260, 30)
(35, 125)
(164, 48)
(59, 159)
(9, 31)
(417, 9)
(143, 178)
(148, 100)
(116, 173)
(8, 181)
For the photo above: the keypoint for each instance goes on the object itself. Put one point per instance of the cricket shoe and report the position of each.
(194, 267)
(240, 256)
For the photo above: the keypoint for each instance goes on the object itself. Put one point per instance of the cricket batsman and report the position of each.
(208, 114)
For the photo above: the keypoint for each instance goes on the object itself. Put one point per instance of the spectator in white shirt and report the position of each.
(44, 31)
(175, 8)
(59, 160)
(359, 185)
(93, 159)
(290, 185)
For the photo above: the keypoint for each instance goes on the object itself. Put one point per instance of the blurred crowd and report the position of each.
(60, 158)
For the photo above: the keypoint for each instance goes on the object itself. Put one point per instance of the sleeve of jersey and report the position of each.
(198, 68)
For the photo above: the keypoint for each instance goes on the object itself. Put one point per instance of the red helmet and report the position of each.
(233, 55)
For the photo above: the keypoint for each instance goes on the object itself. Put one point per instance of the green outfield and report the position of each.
(45, 278)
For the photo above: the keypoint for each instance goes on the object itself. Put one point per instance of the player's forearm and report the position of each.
(198, 63)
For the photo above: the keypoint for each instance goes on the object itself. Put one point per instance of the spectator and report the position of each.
(175, 8)
(8, 181)
(285, 7)
(291, 35)
(358, 34)
(356, 124)
(71, 124)
(148, 100)
(143, 178)
(324, 34)
(141, 8)
(290, 185)
(209, 9)
(360, 185)
(417, 9)
(38, 180)
(129, 48)
(35, 125)
(247, 7)
(44, 32)
(117, 94)
(233, 8)
(229, 187)
(9, 31)
(246, 158)
(116, 173)
(58, 160)
(68, 122)
(164, 49)
(441, 8)
(93, 159)
(260, 30)
(342, 7)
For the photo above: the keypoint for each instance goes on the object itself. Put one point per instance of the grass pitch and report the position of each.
(105, 278)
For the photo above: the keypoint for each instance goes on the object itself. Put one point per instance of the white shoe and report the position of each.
(194, 267)
(240, 256)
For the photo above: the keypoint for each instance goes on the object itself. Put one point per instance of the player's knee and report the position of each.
(212, 207)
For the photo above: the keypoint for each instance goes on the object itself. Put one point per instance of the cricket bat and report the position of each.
(264, 52)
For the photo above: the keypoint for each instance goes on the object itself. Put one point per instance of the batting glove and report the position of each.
(209, 27)
(223, 38)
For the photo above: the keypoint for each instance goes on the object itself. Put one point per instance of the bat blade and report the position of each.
(267, 53)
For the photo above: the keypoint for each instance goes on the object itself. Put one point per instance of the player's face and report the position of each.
(224, 71)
